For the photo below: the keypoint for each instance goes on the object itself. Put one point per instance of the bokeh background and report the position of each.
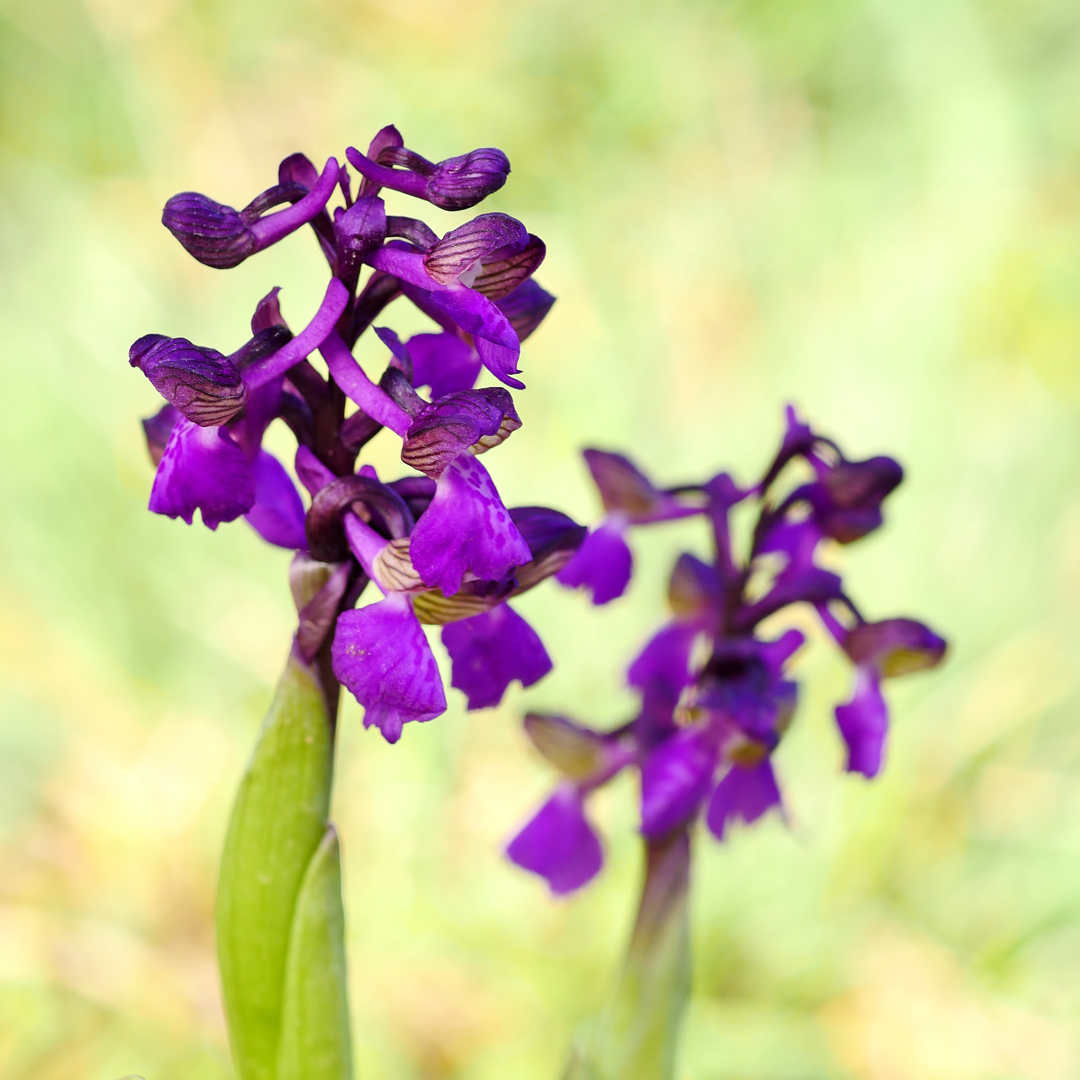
(869, 207)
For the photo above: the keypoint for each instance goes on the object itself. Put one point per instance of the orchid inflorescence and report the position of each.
(438, 543)
(714, 698)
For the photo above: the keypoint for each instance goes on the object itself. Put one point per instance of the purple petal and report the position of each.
(864, 725)
(202, 468)
(444, 362)
(526, 308)
(744, 794)
(278, 513)
(676, 778)
(559, 844)
(466, 528)
(495, 339)
(382, 657)
(603, 564)
(490, 651)
(663, 667)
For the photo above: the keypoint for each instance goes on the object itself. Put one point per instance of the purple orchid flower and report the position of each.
(604, 565)
(715, 695)
(439, 544)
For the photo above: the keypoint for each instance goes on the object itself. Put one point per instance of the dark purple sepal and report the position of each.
(203, 469)
(358, 232)
(462, 248)
(268, 312)
(157, 429)
(622, 486)
(387, 138)
(454, 184)
(466, 528)
(553, 540)
(526, 308)
(298, 169)
(507, 269)
(559, 844)
(380, 654)
(676, 778)
(743, 794)
(444, 362)
(603, 564)
(894, 646)
(277, 514)
(846, 501)
(214, 234)
(416, 232)
(461, 182)
(204, 385)
(447, 428)
(490, 651)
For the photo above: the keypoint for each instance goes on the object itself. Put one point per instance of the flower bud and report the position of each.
(461, 182)
(214, 234)
(894, 646)
(204, 385)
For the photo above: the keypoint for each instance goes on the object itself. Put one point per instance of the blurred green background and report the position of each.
(870, 207)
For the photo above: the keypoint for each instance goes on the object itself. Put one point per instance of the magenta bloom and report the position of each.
(715, 694)
(438, 543)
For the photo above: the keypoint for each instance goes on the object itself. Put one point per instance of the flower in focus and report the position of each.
(438, 543)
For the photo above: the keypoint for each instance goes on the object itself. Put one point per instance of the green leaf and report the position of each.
(315, 1019)
(277, 824)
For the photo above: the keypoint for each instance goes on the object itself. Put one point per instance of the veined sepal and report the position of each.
(277, 824)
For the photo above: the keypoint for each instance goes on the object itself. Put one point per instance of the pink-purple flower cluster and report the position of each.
(438, 543)
(715, 701)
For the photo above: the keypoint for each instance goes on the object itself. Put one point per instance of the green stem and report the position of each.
(637, 1036)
